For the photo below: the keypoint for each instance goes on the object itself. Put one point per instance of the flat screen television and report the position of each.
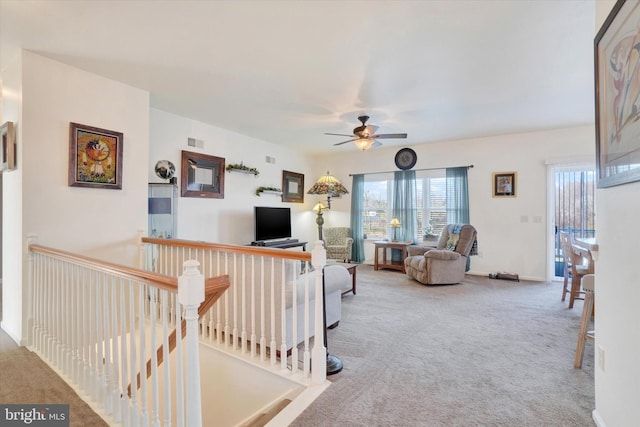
(272, 223)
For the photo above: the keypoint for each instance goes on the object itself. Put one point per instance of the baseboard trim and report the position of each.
(597, 418)
(14, 337)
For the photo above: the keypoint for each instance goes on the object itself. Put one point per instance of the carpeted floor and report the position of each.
(482, 353)
(26, 379)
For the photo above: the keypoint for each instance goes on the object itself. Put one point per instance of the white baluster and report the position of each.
(294, 316)
(134, 407)
(272, 321)
(283, 315)
(243, 305)
(263, 324)
(142, 368)
(235, 303)
(306, 363)
(252, 285)
(153, 353)
(165, 357)
(191, 294)
(31, 276)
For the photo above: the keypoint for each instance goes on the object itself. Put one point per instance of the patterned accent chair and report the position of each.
(446, 263)
(337, 242)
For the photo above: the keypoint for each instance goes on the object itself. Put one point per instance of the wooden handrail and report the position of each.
(249, 250)
(155, 279)
(214, 287)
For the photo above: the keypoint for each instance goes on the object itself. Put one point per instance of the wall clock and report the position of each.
(406, 158)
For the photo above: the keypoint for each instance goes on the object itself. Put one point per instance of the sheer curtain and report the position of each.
(457, 196)
(357, 214)
(404, 204)
(458, 199)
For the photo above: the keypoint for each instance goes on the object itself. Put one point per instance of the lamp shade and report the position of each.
(395, 222)
(328, 184)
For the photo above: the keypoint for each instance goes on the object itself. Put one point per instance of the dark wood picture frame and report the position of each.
(7, 147)
(202, 175)
(95, 157)
(504, 184)
(617, 114)
(292, 187)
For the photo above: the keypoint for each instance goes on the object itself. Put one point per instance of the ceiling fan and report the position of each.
(365, 136)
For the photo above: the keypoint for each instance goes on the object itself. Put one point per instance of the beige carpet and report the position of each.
(25, 379)
(483, 353)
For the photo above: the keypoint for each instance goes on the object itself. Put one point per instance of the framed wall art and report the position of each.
(7, 147)
(95, 157)
(617, 74)
(202, 176)
(504, 184)
(292, 187)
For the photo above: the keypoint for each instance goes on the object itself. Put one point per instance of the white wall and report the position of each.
(12, 206)
(229, 220)
(45, 96)
(509, 239)
(617, 295)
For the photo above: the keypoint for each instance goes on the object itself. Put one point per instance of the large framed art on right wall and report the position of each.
(617, 87)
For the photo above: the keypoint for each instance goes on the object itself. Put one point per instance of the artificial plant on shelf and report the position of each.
(261, 189)
(242, 167)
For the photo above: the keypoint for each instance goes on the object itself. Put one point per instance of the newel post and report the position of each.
(319, 352)
(190, 295)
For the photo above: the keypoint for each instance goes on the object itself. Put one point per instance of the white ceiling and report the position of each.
(289, 71)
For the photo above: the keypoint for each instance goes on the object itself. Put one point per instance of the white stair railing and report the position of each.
(89, 320)
(274, 306)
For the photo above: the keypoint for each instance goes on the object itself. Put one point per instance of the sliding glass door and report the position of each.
(574, 206)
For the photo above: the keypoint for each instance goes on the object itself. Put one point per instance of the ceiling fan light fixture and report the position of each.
(363, 143)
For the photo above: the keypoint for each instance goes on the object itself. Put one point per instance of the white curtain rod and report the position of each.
(424, 169)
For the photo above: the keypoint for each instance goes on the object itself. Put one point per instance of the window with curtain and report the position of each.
(430, 206)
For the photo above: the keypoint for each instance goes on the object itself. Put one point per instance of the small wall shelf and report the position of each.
(268, 190)
(243, 169)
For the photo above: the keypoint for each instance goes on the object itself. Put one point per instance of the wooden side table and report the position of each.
(384, 245)
(351, 268)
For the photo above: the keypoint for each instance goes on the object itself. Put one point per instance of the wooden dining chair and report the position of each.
(565, 243)
(588, 285)
(576, 270)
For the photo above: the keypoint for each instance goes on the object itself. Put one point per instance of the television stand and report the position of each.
(281, 244)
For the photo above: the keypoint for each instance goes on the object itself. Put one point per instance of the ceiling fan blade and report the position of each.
(337, 134)
(376, 144)
(389, 135)
(344, 142)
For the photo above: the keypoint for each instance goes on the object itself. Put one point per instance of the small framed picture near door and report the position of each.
(504, 184)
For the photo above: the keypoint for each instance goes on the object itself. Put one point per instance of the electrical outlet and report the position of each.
(601, 358)
(537, 219)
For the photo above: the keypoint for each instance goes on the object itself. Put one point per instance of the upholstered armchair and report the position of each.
(337, 242)
(446, 263)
